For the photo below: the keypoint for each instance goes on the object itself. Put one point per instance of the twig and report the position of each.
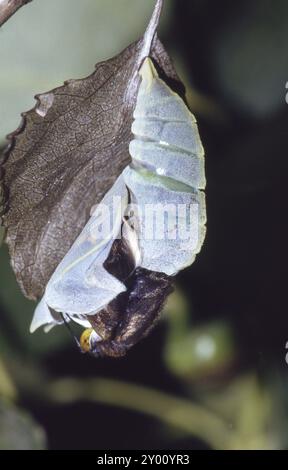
(9, 7)
(179, 412)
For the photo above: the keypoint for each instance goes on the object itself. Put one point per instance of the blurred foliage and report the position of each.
(72, 41)
(213, 373)
(17, 315)
(255, 33)
(7, 387)
(196, 353)
(248, 404)
(18, 431)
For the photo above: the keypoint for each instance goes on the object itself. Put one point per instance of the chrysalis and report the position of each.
(150, 225)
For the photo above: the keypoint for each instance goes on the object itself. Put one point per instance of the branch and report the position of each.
(9, 7)
(181, 413)
(189, 417)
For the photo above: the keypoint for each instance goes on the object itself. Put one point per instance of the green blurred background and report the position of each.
(213, 374)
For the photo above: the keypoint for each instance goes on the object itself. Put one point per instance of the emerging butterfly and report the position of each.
(150, 225)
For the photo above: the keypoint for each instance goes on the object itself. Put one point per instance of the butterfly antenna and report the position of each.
(70, 330)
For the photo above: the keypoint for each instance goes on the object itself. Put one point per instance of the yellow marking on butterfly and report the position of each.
(85, 339)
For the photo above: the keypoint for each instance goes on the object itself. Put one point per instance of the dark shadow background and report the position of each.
(242, 270)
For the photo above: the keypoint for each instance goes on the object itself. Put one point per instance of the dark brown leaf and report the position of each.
(66, 154)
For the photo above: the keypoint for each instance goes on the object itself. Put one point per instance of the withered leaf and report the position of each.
(66, 154)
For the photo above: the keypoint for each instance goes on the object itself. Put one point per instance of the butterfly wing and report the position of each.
(81, 285)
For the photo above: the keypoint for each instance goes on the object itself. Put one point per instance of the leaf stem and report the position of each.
(9, 7)
(192, 418)
(151, 29)
(179, 412)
